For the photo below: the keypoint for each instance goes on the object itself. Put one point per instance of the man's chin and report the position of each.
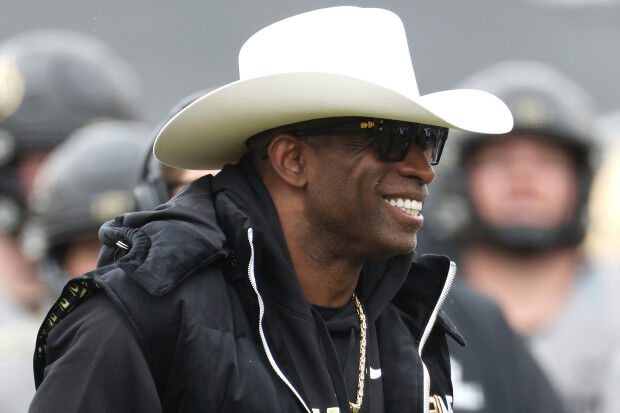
(401, 246)
(407, 249)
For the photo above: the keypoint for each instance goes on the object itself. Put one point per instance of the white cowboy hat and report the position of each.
(340, 61)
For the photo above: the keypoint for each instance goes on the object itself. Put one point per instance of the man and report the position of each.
(478, 386)
(522, 221)
(286, 282)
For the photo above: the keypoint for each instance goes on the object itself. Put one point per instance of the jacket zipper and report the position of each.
(261, 307)
(427, 331)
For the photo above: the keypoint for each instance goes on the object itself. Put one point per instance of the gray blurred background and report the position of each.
(179, 48)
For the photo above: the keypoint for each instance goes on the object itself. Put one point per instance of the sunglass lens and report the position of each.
(430, 140)
(437, 139)
(394, 142)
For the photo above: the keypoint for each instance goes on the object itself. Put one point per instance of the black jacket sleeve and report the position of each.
(95, 364)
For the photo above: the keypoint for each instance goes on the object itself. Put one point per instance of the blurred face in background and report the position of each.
(81, 256)
(17, 275)
(176, 178)
(523, 181)
(27, 169)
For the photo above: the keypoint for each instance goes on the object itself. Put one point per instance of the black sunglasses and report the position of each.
(393, 138)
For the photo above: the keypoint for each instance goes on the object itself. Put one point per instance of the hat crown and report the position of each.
(365, 43)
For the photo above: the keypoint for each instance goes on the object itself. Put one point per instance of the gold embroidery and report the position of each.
(73, 294)
(434, 405)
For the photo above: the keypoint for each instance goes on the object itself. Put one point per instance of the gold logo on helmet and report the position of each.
(12, 87)
(531, 111)
(110, 204)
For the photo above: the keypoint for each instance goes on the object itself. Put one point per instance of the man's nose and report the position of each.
(415, 165)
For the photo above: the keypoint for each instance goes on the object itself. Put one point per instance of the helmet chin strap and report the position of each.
(529, 241)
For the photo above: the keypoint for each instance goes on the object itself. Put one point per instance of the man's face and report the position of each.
(348, 193)
(523, 181)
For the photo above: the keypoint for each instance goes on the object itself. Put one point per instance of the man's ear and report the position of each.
(286, 156)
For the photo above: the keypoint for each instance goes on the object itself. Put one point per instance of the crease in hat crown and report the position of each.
(339, 61)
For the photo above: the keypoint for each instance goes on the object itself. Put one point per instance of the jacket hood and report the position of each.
(167, 244)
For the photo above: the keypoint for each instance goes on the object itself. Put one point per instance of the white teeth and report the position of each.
(409, 206)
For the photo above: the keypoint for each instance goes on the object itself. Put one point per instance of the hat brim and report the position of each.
(212, 130)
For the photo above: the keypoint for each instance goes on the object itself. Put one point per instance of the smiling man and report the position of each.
(287, 282)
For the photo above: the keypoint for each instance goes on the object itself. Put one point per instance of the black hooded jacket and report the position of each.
(214, 319)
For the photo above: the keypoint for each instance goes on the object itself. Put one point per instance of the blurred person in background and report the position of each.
(67, 208)
(517, 204)
(87, 180)
(51, 82)
(494, 372)
(159, 182)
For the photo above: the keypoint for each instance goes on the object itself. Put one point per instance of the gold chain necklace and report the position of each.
(355, 407)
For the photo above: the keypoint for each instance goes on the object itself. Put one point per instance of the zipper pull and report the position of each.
(122, 248)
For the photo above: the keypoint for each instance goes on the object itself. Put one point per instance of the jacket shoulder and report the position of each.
(74, 293)
(155, 319)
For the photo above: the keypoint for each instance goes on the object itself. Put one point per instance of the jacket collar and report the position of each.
(242, 202)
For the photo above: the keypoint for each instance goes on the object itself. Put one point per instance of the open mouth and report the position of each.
(409, 206)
